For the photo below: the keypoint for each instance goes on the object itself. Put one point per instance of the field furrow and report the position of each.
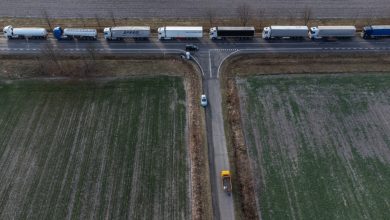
(319, 145)
(110, 149)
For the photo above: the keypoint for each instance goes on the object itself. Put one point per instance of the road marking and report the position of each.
(220, 64)
(210, 65)
(200, 67)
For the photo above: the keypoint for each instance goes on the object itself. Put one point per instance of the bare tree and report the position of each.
(47, 19)
(369, 16)
(90, 64)
(112, 15)
(291, 16)
(50, 58)
(98, 23)
(244, 13)
(307, 15)
(260, 15)
(210, 16)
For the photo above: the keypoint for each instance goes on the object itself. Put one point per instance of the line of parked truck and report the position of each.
(191, 32)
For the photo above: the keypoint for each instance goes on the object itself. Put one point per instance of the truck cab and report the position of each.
(7, 30)
(313, 33)
(266, 33)
(107, 33)
(213, 33)
(160, 33)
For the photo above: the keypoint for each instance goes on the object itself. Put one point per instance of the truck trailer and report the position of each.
(231, 32)
(174, 32)
(375, 31)
(74, 33)
(126, 32)
(285, 32)
(30, 32)
(332, 32)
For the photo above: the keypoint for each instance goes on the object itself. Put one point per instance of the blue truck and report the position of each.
(376, 31)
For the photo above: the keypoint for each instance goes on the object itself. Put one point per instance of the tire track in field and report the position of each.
(79, 141)
(104, 157)
(135, 187)
(97, 142)
(21, 138)
(74, 119)
(44, 123)
(66, 119)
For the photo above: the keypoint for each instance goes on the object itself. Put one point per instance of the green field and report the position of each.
(319, 145)
(94, 150)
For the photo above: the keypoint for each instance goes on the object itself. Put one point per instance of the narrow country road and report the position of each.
(222, 202)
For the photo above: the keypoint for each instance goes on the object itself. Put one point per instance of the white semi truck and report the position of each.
(332, 32)
(30, 32)
(126, 32)
(74, 33)
(273, 32)
(174, 32)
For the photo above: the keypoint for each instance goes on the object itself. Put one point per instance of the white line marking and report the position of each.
(220, 64)
(200, 67)
(210, 64)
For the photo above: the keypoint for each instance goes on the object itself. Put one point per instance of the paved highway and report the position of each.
(210, 57)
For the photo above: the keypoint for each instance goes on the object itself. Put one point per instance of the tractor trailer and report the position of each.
(74, 33)
(126, 32)
(332, 32)
(375, 31)
(174, 32)
(273, 32)
(30, 32)
(231, 32)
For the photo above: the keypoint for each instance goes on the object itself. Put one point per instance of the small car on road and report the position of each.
(191, 47)
(203, 100)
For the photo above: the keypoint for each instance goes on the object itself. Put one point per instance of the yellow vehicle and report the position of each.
(226, 181)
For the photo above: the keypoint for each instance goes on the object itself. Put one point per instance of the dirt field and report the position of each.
(185, 9)
(168, 100)
(319, 145)
(239, 68)
(96, 150)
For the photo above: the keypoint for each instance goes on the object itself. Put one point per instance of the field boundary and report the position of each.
(200, 191)
(245, 65)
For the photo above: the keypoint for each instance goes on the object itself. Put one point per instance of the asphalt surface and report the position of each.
(222, 202)
(193, 9)
(210, 58)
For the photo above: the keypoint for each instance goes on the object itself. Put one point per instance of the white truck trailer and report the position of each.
(30, 32)
(126, 32)
(72, 33)
(273, 32)
(174, 32)
(332, 32)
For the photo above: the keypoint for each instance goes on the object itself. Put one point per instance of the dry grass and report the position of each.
(18, 67)
(245, 65)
